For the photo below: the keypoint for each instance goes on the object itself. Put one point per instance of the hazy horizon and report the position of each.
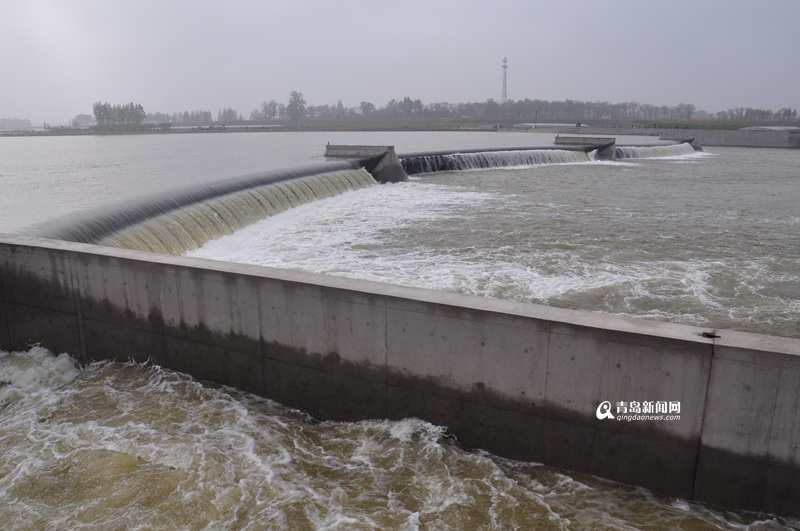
(177, 56)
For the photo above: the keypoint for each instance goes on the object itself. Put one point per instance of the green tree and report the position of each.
(269, 109)
(367, 109)
(491, 109)
(157, 118)
(787, 113)
(102, 113)
(130, 114)
(297, 106)
(228, 115)
(684, 111)
(82, 120)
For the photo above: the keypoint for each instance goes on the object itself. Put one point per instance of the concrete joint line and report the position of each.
(386, 354)
(769, 438)
(713, 335)
(75, 288)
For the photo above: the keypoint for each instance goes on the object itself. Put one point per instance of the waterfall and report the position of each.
(651, 152)
(187, 220)
(435, 162)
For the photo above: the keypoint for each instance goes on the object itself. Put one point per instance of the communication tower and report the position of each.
(504, 97)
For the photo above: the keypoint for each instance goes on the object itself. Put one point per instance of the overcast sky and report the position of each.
(60, 56)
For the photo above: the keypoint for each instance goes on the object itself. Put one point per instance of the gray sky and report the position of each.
(60, 56)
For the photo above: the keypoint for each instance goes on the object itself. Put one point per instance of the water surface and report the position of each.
(127, 446)
(706, 239)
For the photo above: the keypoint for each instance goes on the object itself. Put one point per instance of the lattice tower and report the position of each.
(504, 97)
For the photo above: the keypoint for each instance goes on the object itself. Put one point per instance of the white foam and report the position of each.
(402, 234)
(23, 373)
(133, 446)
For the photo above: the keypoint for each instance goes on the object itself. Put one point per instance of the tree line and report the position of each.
(130, 114)
(525, 110)
(521, 110)
(748, 114)
(15, 123)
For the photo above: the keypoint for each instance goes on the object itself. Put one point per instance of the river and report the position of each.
(706, 239)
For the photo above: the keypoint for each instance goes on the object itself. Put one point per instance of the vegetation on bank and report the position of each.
(109, 115)
(700, 125)
(413, 114)
(531, 111)
(15, 123)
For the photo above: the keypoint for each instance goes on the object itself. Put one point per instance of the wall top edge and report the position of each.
(757, 342)
(591, 320)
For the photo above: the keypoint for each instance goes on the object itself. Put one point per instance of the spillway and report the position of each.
(186, 220)
(651, 152)
(459, 161)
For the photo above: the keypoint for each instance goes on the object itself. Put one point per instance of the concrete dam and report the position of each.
(520, 380)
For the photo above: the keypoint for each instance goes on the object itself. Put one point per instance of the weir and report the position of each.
(520, 380)
(187, 219)
(643, 152)
(607, 149)
(691, 140)
(437, 161)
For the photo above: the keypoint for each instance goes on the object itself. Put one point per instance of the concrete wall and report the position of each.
(355, 151)
(706, 137)
(582, 140)
(606, 147)
(709, 137)
(380, 161)
(520, 380)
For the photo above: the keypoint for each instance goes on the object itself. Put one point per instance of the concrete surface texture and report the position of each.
(519, 380)
(706, 137)
(380, 161)
(606, 147)
(583, 140)
(355, 151)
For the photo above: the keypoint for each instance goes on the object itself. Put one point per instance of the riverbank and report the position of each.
(706, 137)
(359, 126)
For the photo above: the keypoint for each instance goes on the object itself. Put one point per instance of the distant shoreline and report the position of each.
(710, 136)
(269, 129)
(378, 125)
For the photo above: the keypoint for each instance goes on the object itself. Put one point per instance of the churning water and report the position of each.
(710, 240)
(707, 239)
(125, 447)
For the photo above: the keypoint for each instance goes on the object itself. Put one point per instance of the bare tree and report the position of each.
(297, 106)
(367, 109)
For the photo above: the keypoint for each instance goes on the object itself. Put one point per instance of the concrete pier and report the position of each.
(380, 161)
(519, 380)
(606, 147)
